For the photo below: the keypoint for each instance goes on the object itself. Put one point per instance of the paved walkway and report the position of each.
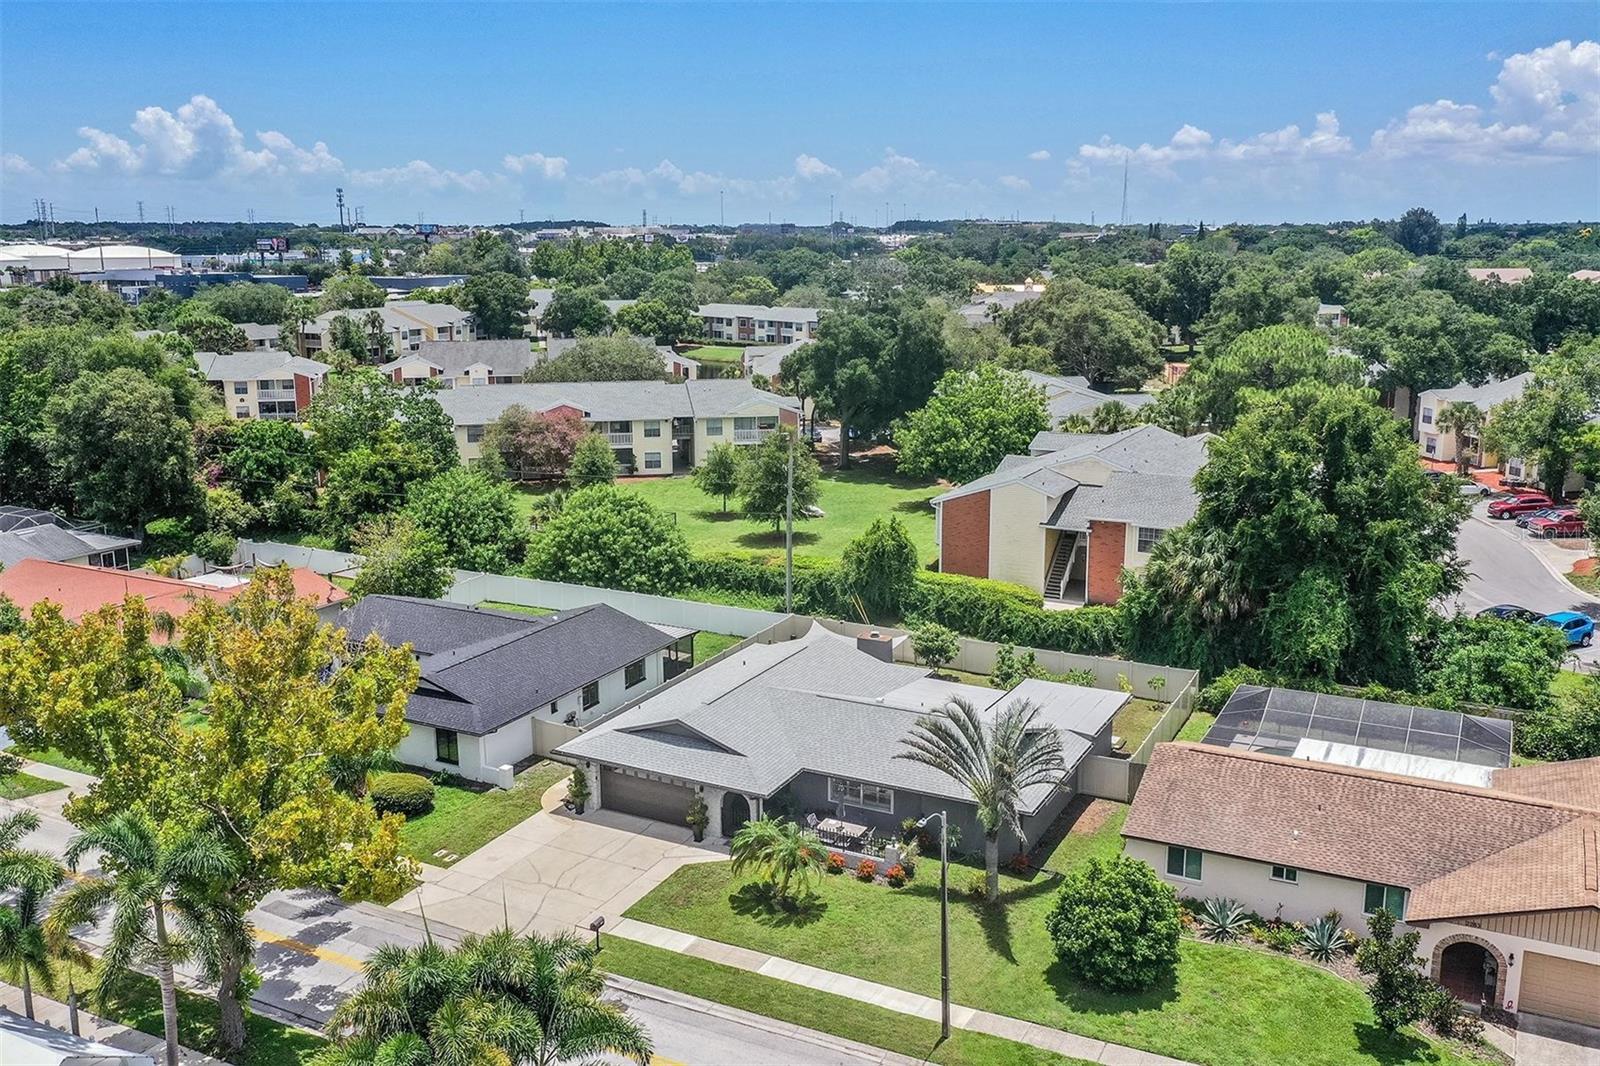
(93, 1027)
(895, 999)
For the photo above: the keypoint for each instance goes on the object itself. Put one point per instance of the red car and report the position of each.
(1563, 526)
(1515, 505)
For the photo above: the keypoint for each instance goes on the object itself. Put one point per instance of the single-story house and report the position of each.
(656, 427)
(1070, 518)
(1071, 395)
(29, 533)
(499, 688)
(263, 383)
(983, 307)
(812, 726)
(1503, 880)
(1332, 316)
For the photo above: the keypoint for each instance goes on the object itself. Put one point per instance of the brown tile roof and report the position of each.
(1553, 871)
(1352, 823)
(1575, 783)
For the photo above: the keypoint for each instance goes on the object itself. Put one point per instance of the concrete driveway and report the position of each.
(557, 871)
(1547, 1042)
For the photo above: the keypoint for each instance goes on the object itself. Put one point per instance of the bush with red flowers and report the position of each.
(1019, 863)
(895, 875)
(866, 870)
(835, 863)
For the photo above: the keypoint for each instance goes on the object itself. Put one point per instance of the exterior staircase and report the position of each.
(1068, 547)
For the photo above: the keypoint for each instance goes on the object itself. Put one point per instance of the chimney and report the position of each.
(876, 645)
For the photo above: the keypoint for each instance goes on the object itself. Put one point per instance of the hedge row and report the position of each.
(995, 611)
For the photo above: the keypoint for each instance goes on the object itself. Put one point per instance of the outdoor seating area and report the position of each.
(838, 833)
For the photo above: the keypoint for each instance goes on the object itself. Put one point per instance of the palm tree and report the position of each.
(994, 763)
(780, 851)
(377, 333)
(500, 998)
(30, 877)
(147, 881)
(1463, 418)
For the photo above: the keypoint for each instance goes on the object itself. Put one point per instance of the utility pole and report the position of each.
(1124, 190)
(141, 212)
(788, 533)
(722, 208)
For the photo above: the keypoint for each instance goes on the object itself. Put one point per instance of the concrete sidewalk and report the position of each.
(93, 1027)
(895, 999)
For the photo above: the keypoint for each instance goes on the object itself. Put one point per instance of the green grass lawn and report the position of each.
(850, 500)
(708, 644)
(22, 785)
(467, 815)
(717, 353)
(519, 608)
(822, 1011)
(52, 757)
(1196, 728)
(1223, 1007)
(1135, 720)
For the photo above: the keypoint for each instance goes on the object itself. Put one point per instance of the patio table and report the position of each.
(839, 829)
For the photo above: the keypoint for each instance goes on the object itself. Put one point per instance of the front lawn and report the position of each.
(722, 354)
(1224, 1006)
(53, 757)
(850, 499)
(22, 785)
(467, 815)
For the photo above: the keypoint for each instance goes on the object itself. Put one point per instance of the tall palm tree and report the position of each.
(377, 333)
(29, 877)
(1463, 418)
(500, 998)
(785, 856)
(995, 763)
(146, 882)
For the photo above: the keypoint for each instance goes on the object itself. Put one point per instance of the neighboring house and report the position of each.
(1071, 395)
(267, 383)
(812, 726)
(499, 688)
(985, 306)
(656, 427)
(24, 1042)
(29, 533)
(1585, 275)
(767, 359)
(1503, 275)
(1503, 882)
(407, 324)
(755, 324)
(80, 590)
(262, 335)
(1332, 316)
(453, 363)
(1069, 518)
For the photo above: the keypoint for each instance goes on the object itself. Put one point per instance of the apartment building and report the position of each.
(755, 324)
(263, 384)
(262, 335)
(407, 323)
(453, 363)
(655, 427)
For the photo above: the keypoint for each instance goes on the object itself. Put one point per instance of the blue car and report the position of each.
(1577, 628)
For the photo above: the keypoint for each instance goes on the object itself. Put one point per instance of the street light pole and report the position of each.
(944, 919)
(788, 535)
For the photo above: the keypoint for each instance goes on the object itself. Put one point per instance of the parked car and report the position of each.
(1545, 512)
(1559, 525)
(1577, 628)
(1465, 486)
(1519, 504)
(1511, 612)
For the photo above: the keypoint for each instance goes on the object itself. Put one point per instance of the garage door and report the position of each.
(656, 800)
(1561, 988)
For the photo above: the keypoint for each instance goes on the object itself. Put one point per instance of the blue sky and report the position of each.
(474, 112)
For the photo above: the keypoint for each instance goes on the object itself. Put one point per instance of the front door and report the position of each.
(735, 813)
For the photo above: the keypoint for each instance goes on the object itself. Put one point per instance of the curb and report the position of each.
(1549, 566)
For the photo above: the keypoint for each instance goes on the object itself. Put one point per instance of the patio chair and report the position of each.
(811, 819)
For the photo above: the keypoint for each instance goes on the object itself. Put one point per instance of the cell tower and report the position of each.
(141, 212)
(1124, 190)
(338, 194)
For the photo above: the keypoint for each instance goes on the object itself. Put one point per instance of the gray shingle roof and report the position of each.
(611, 400)
(758, 311)
(756, 719)
(1486, 395)
(504, 357)
(767, 359)
(55, 544)
(255, 365)
(484, 669)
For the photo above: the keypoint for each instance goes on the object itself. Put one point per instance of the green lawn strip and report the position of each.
(1196, 728)
(717, 353)
(823, 1011)
(343, 581)
(850, 500)
(519, 608)
(1588, 581)
(1134, 721)
(1567, 684)
(22, 785)
(467, 815)
(136, 1003)
(707, 645)
(1224, 1006)
(53, 757)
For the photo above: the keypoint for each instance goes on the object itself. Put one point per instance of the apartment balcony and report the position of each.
(275, 394)
(620, 440)
(751, 436)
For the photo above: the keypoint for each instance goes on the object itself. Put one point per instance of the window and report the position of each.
(554, 710)
(1183, 862)
(474, 434)
(1148, 538)
(241, 388)
(1432, 445)
(861, 794)
(713, 427)
(652, 460)
(652, 427)
(1388, 897)
(447, 746)
(1427, 416)
(633, 674)
(1287, 874)
(591, 695)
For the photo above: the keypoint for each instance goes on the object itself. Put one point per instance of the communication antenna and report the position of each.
(339, 196)
(1124, 190)
(141, 212)
(722, 210)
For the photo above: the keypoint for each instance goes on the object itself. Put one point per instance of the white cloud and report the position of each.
(1016, 184)
(810, 168)
(199, 140)
(1322, 142)
(667, 177)
(421, 174)
(1546, 105)
(12, 163)
(1040, 156)
(1192, 144)
(896, 171)
(550, 167)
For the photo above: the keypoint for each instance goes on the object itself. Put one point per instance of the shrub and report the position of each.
(1323, 940)
(895, 875)
(866, 870)
(1222, 919)
(1085, 677)
(402, 793)
(697, 817)
(1443, 1013)
(836, 863)
(1019, 864)
(935, 644)
(1284, 938)
(168, 536)
(578, 787)
(908, 829)
(1398, 988)
(612, 538)
(880, 567)
(1215, 693)
(1115, 925)
(215, 547)
(977, 886)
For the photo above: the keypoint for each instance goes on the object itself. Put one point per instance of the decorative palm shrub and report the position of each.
(1115, 925)
(698, 817)
(1222, 919)
(1323, 940)
(402, 793)
(785, 858)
